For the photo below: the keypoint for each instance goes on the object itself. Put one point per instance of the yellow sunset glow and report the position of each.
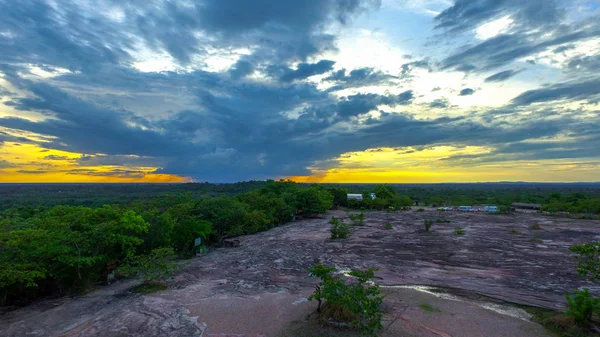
(436, 165)
(28, 163)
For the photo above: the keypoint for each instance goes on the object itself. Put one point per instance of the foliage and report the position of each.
(384, 192)
(588, 256)
(67, 249)
(314, 200)
(339, 229)
(64, 249)
(358, 219)
(388, 226)
(360, 296)
(438, 220)
(151, 267)
(573, 198)
(582, 305)
(427, 224)
(340, 196)
(420, 210)
(459, 231)
(226, 214)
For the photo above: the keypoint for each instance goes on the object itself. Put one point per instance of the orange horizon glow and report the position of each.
(29, 163)
(26, 163)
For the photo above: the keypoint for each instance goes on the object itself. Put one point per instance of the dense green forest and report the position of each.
(63, 238)
(556, 197)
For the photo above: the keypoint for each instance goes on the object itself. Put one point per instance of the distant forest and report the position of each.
(554, 196)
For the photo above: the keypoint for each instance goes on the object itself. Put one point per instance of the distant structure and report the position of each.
(352, 196)
(356, 196)
(522, 205)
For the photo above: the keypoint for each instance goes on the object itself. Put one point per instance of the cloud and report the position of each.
(32, 171)
(5, 164)
(466, 14)
(407, 68)
(241, 69)
(466, 92)
(305, 70)
(501, 76)
(55, 157)
(440, 103)
(570, 90)
(358, 77)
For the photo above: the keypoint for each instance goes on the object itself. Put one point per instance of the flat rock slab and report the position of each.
(261, 287)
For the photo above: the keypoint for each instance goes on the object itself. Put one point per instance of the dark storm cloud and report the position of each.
(64, 36)
(501, 76)
(241, 69)
(285, 30)
(466, 92)
(305, 70)
(569, 90)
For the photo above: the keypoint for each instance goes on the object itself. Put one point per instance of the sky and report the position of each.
(379, 91)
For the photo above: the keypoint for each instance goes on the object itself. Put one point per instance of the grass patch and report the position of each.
(420, 210)
(513, 231)
(536, 239)
(388, 226)
(428, 224)
(429, 307)
(459, 231)
(535, 226)
(151, 287)
(442, 220)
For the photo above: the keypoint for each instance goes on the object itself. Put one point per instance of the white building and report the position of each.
(355, 196)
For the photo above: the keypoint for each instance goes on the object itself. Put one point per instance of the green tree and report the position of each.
(313, 200)
(385, 192)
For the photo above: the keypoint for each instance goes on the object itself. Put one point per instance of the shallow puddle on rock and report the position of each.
(439, 293)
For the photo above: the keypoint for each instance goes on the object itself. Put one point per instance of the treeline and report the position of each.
(97, 195)
(68, 249)
(572, 203)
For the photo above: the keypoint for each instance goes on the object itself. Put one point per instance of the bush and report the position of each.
(459, 231)
(588, 256)
(388, 226)
(360, 297)
(151, 267)
(339, 229)
(428, 224)
(313, 200)
(358, 219)
(582, 305)
(340, 196)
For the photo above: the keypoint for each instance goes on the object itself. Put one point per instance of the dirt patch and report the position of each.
(261, 286)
